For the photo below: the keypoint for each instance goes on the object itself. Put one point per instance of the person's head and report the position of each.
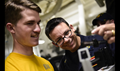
(102, 18)
(61, 34)
(22, 21)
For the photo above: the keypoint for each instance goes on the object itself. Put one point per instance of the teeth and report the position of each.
(34, 36)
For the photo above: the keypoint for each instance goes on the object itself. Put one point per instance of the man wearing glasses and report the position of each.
(62, 35)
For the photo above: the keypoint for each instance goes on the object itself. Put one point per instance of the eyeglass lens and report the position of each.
(67, 35)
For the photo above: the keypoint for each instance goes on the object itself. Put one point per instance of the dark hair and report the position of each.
(51, 24)
(14, 7)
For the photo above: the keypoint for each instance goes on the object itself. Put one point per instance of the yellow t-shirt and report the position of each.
(20, 62)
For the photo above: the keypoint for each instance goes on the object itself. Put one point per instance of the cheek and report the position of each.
(74, 39)
(23, 33)
(21, 36)
(24, 38)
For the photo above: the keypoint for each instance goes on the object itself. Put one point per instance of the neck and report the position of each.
(22, 49)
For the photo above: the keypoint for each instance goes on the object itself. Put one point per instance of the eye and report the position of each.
(38, 22)
(30, 23)
(59, 41)
(66, 33)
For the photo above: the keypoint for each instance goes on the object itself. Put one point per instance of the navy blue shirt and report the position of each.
(70, 62)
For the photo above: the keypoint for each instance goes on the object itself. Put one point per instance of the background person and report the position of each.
(107, 27)
(22, 21)
(102, 18)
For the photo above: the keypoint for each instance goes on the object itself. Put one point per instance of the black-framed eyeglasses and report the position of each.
(61, 40)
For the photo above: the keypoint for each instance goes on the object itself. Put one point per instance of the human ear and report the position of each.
(10, 27)
(55, 44)
(71, 27)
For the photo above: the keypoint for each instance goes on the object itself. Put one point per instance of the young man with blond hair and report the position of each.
(22, 21)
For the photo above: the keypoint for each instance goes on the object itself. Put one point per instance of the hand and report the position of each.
(106, 32)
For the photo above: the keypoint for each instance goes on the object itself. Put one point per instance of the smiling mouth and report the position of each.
(34, 36)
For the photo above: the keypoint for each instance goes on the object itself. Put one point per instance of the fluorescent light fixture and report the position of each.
(41, 41)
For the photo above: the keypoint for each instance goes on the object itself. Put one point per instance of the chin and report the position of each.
(34, 44)
(73, 47)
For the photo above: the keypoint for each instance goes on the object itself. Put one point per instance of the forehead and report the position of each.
(58, 30)
(29, 14)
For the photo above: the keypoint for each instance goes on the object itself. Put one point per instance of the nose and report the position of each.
(37, 28)
(66, 40)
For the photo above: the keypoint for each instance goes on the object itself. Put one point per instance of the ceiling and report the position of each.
(48, 5)
(51, 7)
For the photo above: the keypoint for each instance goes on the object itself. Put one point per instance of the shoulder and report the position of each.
(9, 58)
(41, 59)
(10, 64)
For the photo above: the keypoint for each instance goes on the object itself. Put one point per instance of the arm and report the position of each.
(106, 32)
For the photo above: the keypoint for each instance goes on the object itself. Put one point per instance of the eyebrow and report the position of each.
(33, 21)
